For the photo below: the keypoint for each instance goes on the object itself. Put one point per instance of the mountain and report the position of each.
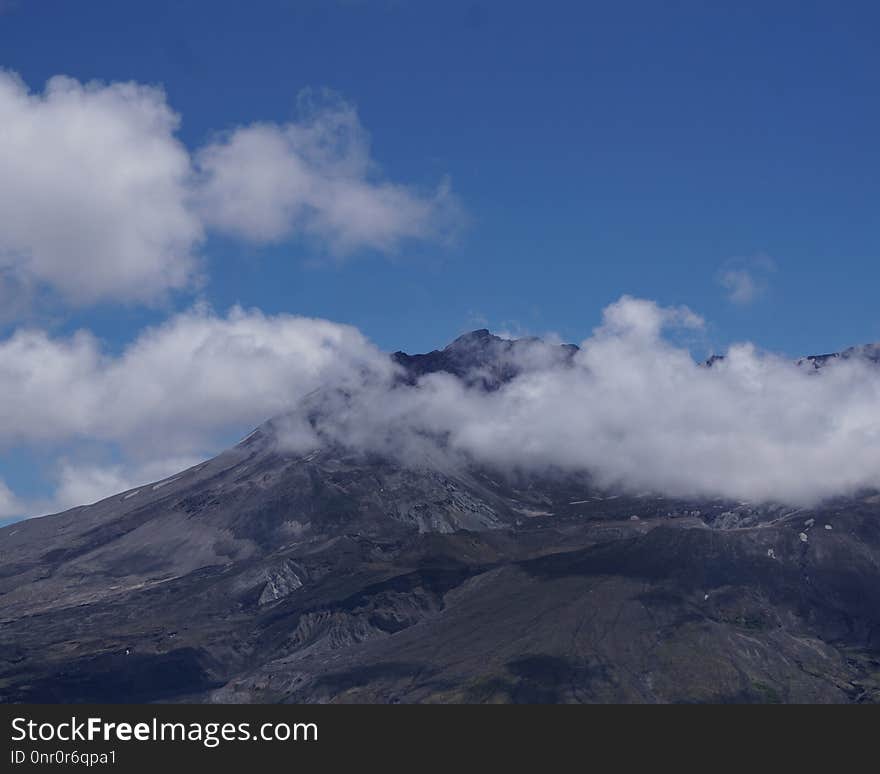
(868, 352)
(480, 358)
(268, 575)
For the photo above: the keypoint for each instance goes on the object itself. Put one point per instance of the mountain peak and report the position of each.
(482, 358)
(479, 337)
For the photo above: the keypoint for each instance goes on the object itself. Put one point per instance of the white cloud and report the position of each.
(746, 279)
(177, 385)
(631, 408)
(168, 399)
(267, 182)
(9, 503)
(740, 285)
(637, 412)
(99, 200)
(83, 484)
(93, 191)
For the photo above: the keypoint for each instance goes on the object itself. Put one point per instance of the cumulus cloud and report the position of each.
(266, 182)
(169, 399)
(100, 201)
(176, 385)
(94, 191)
(635, 411)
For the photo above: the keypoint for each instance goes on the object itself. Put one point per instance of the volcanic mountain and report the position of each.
(339, 575)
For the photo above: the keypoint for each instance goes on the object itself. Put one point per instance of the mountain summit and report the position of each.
(480, 357)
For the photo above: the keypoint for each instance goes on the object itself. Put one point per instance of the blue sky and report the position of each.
(594, 150)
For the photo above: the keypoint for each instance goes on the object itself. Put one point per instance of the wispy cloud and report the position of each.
(740, 285)
(746, 280)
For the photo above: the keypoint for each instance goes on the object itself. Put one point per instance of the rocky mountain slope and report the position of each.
(265, 575)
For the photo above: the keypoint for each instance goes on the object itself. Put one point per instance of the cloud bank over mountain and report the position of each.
(635, 411)
(630, 407)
